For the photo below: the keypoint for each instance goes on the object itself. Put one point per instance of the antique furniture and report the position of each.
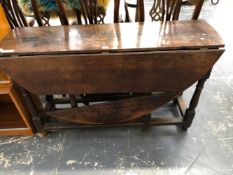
(146, 67)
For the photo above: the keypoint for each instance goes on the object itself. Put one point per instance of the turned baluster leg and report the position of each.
(190, 112)
(32, 109)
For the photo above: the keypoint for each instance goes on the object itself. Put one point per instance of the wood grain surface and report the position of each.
(111, 38)
(161, 71)
(164, 57)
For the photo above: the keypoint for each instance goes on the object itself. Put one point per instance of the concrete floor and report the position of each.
(206, 148)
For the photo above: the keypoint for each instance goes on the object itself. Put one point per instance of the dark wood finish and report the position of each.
(99, 59)
(130, 109)
(62, 13)
(32, 110)
(116, 11)
(166, 121)
(101, 73)
(50, 105)
(90, 12)
(111, 38)
(140, 11)
(153, 122)
(37, 13)
(197, 9)
(89, 98)
(139, 6)
(126, 6)
(73, 101)
(190, 112)
(147, 121)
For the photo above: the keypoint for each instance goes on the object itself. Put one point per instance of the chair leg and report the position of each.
(127, 18)
(190, 112)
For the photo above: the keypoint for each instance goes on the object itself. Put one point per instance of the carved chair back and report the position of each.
(165, 10)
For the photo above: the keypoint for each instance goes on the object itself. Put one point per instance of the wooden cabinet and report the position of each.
(14, 118)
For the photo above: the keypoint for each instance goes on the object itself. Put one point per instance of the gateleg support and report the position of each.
(35, 116)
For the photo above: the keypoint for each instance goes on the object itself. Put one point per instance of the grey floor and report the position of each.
(206, 148)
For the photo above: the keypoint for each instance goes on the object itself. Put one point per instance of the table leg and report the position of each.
(190, 112)
(50, 102)
(146, 122)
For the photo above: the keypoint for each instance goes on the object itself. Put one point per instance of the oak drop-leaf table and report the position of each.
(133, 67)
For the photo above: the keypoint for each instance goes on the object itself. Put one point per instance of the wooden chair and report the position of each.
(161, 10)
